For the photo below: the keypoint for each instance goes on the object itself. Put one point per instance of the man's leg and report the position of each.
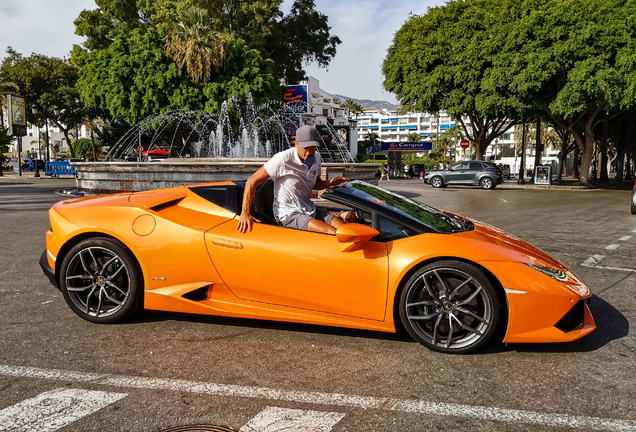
(318, 226)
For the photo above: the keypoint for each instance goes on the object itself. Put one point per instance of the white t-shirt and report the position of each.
(293, 183)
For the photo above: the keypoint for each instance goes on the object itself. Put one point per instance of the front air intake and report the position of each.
(574, 319)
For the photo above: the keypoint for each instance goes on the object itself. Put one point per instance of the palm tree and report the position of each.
(5, 87)
(195, 46)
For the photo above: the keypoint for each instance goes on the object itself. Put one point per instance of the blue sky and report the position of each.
(366, 28)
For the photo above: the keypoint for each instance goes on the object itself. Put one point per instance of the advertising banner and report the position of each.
(17, 115)
(295, 102)
(401, 146)
(296, 99)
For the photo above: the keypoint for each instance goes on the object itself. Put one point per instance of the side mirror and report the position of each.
(353, 236)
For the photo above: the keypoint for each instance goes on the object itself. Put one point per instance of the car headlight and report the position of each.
(555, 274)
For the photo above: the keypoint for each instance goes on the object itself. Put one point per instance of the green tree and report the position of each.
(49, 83)
(194, 45)
(290, 41)
(573, 61)
(413, 137)
(444, 61)
(83, 148)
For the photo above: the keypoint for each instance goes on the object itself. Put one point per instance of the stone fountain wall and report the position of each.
(110, 177)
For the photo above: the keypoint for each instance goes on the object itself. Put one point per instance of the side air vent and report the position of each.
(197, 295)
(165, 205)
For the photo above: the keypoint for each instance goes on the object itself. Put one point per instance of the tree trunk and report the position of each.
(481, 145)
(620, 161)
(604, 177)
(575, 164)
(562, 155)
(537, 147)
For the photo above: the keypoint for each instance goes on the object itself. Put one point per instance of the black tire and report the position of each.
(450, 307)
(101, 280)
(487, 183)
(437, 182)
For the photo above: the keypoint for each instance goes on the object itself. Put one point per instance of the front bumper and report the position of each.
(48, 271)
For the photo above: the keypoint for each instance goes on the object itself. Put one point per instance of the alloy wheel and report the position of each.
(449, 310)
(98, 282)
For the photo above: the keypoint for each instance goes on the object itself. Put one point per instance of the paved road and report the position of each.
(162, 370)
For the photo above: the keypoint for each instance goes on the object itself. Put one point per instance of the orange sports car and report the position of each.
(452, 282)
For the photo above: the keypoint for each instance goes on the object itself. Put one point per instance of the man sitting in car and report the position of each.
(296, 172)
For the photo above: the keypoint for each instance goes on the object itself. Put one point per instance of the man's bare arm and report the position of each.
(324, 184)
(246, 219)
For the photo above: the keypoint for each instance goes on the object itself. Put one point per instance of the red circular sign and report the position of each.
(464, 143)
(140, 148)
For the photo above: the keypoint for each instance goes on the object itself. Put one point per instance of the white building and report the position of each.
(323, 111)
(35, 135)
(393, 127)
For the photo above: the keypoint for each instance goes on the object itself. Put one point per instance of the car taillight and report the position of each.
(495, 170)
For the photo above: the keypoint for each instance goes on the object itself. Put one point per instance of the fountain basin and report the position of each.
(112, 177)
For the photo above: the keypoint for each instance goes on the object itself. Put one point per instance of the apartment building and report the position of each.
(388, 125)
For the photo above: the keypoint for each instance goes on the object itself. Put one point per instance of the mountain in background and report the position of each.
(367, 103)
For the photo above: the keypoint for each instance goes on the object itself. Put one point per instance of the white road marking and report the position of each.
(503, 200)
(366, 402)
(54, 409)
(274, 419)
(625, 238)
(592, 261)
(611, 268)
(634, 230)
(612, 247)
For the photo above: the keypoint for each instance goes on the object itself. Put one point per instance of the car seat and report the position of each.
(263, 204)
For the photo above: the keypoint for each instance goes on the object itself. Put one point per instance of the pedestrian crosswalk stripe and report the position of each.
(54, 409)
(336, 399)
(274, 419)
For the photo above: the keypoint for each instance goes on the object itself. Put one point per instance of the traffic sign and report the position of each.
(464, 143)
(140, 148)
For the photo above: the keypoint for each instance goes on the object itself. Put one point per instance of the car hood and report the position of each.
(509, 247)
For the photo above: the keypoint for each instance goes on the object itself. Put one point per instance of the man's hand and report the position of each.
(336, 181)
(245, 222)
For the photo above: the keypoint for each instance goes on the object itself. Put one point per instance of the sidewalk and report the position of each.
(30, 175)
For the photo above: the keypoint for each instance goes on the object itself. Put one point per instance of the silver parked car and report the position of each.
(476, 173)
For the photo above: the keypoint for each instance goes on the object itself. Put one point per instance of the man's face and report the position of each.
(304, 152)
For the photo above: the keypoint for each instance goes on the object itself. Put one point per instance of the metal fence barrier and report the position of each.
(56, 169)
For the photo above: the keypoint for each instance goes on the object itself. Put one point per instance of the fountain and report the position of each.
(203, 147)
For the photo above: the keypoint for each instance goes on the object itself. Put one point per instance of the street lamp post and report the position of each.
(34, 110)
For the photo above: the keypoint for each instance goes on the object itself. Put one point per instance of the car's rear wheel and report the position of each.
(450, 306)
(437, 182)
(487, 183)
(101, 280)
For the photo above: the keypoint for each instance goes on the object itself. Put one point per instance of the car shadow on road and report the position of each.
(610, 325)
(156, 316)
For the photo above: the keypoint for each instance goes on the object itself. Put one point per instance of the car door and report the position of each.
(457, 173)
(301, 269)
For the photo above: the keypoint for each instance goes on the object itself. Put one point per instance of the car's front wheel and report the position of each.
(101, 280)
(487, 183)
(450, 306)
(437, 182)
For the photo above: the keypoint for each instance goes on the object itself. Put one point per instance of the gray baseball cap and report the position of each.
(307, 136)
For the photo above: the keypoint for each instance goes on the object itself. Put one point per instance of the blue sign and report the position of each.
(401, 146)
(296, 95)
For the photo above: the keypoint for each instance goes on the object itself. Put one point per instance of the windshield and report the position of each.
(419, 212)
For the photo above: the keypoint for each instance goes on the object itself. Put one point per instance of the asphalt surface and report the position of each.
(591, 231)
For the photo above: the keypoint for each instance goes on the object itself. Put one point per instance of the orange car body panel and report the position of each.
(184, 242)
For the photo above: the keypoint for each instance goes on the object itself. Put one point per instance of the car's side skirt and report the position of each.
(220, 301)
